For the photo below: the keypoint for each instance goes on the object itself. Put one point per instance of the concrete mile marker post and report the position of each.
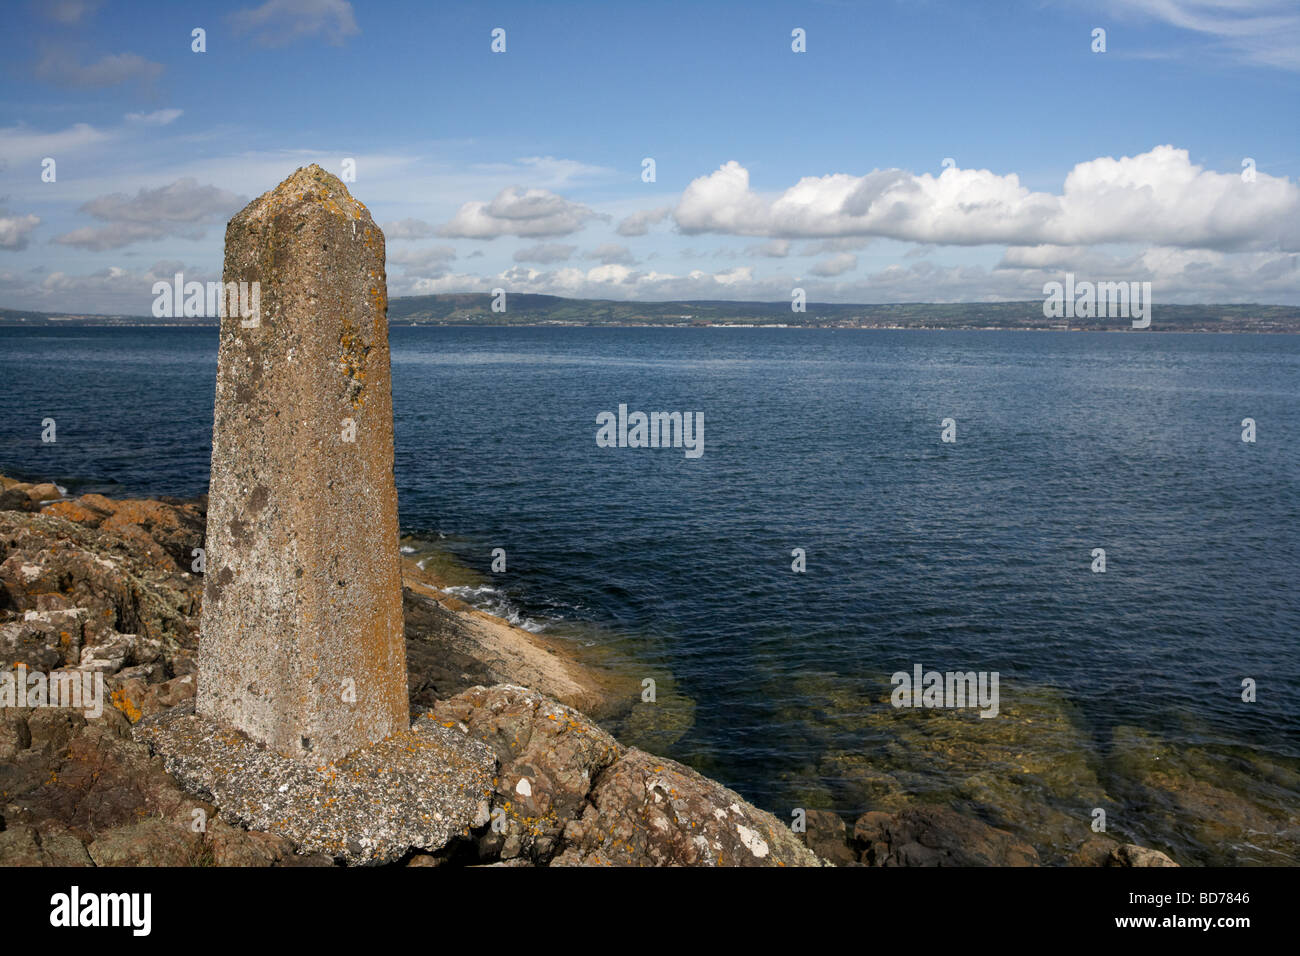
(301, 643)
(302, 722)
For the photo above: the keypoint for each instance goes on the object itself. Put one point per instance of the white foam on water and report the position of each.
(484, 597)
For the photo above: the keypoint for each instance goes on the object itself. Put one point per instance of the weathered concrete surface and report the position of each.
(301, 640)
(417, 789)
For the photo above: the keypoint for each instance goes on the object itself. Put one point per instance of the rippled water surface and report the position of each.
(1119, 691)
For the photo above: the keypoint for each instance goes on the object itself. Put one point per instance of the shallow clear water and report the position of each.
(1119, 690)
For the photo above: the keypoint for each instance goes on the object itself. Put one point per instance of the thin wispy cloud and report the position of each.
(612, 253)
(20, 144)
(280, 22)
(62, 67)
(156, 118)
(639, 223)
(433, 260)
(835, 265)
(407, 229)
(184, 209)
(1264, 32)
(69, 12)
(545, 253)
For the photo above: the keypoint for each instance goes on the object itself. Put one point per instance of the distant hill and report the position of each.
(11, 317)
(475, 308)
(525, 309)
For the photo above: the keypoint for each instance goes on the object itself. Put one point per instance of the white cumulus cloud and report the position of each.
(1158, 197)
(14, 230)
(518, 212)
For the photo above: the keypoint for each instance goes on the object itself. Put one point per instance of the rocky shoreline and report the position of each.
(104, 586)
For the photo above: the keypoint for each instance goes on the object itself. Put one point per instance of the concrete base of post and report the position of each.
(418, 789)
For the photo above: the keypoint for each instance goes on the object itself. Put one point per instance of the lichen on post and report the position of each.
(301, 641)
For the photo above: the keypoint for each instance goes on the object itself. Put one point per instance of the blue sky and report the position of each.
(774, 169)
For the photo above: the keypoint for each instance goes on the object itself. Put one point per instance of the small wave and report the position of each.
(494, 601)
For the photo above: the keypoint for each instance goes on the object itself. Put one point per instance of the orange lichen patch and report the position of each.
(123, 703)
(352, 362)
(311, 184)
(72, 511)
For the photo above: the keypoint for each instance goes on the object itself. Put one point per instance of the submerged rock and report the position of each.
(828, 837)
(937, 836)
(1234, 804)
(1031, 770)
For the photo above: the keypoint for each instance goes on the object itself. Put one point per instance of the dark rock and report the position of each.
(436, 667)
(14, 499)
(233, 846)
(936, 836)
(24, 845)
(828, 837)
(152, 842)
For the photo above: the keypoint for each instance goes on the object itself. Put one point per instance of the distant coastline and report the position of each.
(529, 310)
